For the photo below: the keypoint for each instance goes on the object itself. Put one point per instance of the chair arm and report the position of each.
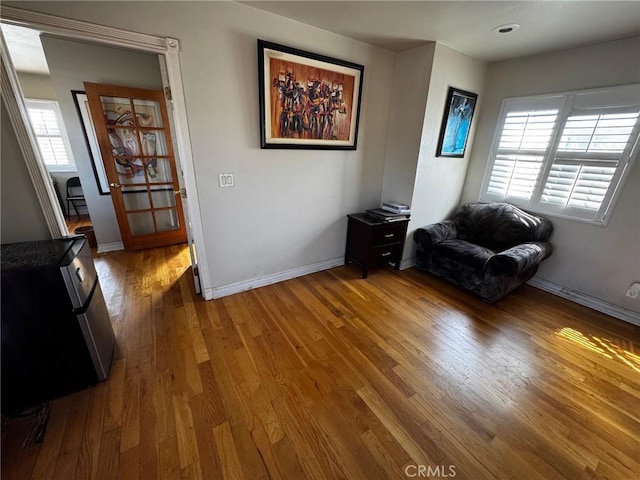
(518, 259)
(430, 235)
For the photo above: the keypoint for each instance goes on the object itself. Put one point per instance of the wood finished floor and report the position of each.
(76, 221)
(329, 376)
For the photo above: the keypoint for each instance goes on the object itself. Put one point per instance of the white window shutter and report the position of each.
(515, 175)
(592, 145)
(520, 144)
(567, 161)
(527, 131)
(52, 140)
(578, 184)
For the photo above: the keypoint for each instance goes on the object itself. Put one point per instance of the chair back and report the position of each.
(74, 187)
(499, 226)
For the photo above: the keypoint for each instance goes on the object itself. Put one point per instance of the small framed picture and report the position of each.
(456, 123)
(307, 101)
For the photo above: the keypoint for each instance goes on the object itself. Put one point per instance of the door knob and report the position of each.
(116, 185)
(182, 192)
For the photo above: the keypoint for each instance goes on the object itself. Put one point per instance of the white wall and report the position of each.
(409, 100)
(597, 261)
(440, 180)
(21, 218)
(413, 174)
(71, 63)
(288, 208)
(36, 86)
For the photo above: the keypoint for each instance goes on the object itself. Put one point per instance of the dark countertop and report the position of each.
(36, 254)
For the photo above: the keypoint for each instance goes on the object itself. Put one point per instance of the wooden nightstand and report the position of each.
(371, 242)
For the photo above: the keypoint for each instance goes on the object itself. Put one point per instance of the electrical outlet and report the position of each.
(634, 290)
(225, 179)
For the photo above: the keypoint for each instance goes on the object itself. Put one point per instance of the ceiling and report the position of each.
(466, 26)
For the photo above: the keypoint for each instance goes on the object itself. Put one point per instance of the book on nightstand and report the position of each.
(386, 216)
(395, 207)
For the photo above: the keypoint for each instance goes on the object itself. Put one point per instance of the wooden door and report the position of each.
(132, 127)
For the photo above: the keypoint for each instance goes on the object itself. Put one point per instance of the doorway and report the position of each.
(163, 49)
(59, 79)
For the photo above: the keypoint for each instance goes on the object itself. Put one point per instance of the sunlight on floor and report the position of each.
(602, 346)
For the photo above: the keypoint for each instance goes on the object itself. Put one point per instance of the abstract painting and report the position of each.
(307, 101)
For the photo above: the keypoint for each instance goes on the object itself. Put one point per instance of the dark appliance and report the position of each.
(56, 332)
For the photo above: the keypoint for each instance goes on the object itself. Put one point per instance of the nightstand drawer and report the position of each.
(388, 234)
(388, 253)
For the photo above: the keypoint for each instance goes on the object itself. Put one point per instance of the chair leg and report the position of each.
(73, 204)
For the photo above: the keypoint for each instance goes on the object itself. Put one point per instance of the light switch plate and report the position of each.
(634, 290)
(226, 180)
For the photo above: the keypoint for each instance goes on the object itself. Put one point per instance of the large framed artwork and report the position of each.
(307, 101)
(90, 138)
(456, 123)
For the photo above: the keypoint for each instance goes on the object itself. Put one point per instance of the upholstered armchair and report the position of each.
(487, 248)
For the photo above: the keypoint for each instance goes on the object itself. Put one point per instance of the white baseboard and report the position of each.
(225, 290)
(408, 263)
(564, 292)
(110, 247)
(586, 300)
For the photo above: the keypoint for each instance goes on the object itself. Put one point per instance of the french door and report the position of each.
(132, 128)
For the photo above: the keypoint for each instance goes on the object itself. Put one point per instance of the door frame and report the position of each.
(167, 47)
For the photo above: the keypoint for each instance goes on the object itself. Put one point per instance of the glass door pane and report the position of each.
(161, 169)
(141, 223)
(135, 198)
(163, 196)
(148, 113)
(167, 220)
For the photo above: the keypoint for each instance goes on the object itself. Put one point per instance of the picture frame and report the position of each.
(456, 123)
(91, 140)
(307, 101)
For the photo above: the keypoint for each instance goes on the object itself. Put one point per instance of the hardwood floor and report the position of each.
(77, 221)
(329, 376)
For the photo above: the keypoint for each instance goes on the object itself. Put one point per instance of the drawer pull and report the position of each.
(389, 235)
(386, 254)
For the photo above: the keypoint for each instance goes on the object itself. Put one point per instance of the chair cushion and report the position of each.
(499, 226)
(466, 253)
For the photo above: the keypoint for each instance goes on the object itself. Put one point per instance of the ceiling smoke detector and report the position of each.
(510, 28)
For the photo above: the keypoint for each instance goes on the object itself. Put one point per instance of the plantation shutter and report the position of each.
(567, 154)
(592, 146)
(52, 140)
(525, 134)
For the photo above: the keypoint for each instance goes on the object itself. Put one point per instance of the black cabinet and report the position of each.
(371, 242)
(56, 331)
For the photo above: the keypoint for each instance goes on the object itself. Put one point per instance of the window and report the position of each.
(52, 139)
(566, 155)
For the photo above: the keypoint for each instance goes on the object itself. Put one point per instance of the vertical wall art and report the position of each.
(456, 123)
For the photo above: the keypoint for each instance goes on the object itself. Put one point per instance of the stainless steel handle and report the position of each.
(389, 235)
(386, 254)
(116, 185)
